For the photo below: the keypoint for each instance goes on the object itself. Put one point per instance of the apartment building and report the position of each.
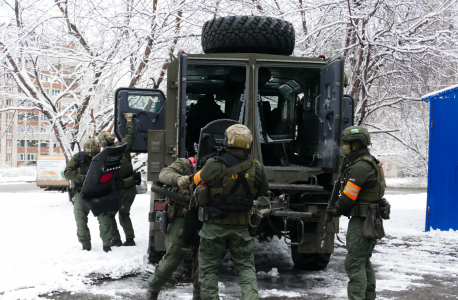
(26, 133)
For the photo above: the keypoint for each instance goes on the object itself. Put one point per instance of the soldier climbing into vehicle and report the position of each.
(362, 190)
(76, 171)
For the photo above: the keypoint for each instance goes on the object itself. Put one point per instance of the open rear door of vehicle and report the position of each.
(148, 108)
(329, 111)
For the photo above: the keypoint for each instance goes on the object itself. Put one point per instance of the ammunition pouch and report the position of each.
(233, 202)
(206, 213)
(175, 210)
(125, 183)
(361, 209)
(373, 224)
(202, 194)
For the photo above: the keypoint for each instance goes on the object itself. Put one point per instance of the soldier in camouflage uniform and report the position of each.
(235, 179)
(177, 174)
(363, 185)
(76, 171)
(125, 186)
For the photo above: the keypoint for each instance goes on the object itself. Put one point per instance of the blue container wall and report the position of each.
(442, 207)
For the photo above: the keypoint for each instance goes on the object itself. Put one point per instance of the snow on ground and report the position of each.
(407, 182)
(41, 253)
(19, 174)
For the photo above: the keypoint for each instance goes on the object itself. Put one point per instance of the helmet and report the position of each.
(238, 136)
(91, 147)
(356, 133)
(106, 139)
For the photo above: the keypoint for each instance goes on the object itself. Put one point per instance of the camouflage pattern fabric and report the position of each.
(106, 139)
(239, 136)
(127, 197)
(91, 147)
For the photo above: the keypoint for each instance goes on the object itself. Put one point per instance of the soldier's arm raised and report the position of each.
(70, 171)
(129, 137)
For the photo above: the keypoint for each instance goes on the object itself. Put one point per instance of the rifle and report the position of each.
(334, 197)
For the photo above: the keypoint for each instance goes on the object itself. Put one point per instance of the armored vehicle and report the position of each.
(294, 106)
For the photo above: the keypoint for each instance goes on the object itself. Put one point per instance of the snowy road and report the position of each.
(43, 259)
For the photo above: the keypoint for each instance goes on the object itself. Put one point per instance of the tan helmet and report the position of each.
(106, 139)
(238, 136)
(91, 147)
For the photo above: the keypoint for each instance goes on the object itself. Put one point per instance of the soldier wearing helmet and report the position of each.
(76, 171)
(233, 179)
(362, 188)
(125, 187)
(176, 175)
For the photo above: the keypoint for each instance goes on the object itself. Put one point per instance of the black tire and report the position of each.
(153, 256)
(310, 261)
(248, 34)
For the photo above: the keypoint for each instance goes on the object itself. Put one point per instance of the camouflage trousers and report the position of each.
(81, 212)
(357, 263)
(171, 260)
(127, 196)
(213, 239)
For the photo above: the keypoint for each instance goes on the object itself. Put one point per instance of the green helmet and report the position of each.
(106, 139)
(238, 136)
(356, 133)
(91, 147)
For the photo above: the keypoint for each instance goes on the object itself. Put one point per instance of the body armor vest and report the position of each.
(376, 192)
(238, 180)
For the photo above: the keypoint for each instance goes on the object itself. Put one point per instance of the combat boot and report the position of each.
(87, 247)
(151, 295)
(129, 242)
(106, 249)
(116, 243)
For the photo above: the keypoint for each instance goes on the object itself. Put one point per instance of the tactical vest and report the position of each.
(83, 163)
(238, 190)
(376, 192)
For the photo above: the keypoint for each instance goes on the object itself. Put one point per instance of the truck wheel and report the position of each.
(153, 256)
(248, 34)
(310, 261)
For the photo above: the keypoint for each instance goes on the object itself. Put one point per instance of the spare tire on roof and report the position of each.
(248, 34)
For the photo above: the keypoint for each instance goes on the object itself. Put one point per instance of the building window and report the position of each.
(31, 156)
(55, 92)
(43, 117)
(8, 158)
(9, 116)
(20, 156)
(21, 144)
(44, 144)
(8, 130)
(47, 92)
(8, 144)
(9, 102)
(32, 144)
(20, 129)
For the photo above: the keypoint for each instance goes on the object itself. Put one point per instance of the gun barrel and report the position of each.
(184, 199)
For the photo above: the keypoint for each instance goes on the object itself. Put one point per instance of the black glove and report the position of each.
(332, 212)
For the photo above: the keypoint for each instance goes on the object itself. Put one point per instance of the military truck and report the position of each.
(294, 106)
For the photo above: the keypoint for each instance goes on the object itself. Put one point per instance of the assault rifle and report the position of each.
(333, 199)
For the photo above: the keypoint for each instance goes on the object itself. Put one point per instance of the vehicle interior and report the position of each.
(286, 102)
